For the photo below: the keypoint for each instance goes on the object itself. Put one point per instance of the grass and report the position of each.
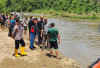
(66, 14)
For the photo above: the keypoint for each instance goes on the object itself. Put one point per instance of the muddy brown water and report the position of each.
(80, 39)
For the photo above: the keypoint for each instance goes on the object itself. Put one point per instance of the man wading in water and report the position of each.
(53, 34)
(17, 35)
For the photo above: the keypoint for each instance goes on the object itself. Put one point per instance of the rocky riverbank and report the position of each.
(34, 59)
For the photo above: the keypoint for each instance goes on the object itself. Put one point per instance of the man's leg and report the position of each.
(10, 32)
(43, 43)
(16, 48)
(51, 52)
(51, 49)
(29, 34)
(39, 38)
(48, 46)
(23, 48)
(32, 36)
(57, 54)
(55, 43)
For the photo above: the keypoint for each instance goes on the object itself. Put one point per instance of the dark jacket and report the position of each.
(30, 24)
(40, 25)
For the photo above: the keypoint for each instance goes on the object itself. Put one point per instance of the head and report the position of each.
(25, 18)
(17, 22)
(46, 20)
(10, 18)
(41, 18)
(31, 18)
(52, 25)
(35, 20)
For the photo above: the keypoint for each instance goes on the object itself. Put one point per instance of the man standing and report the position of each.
(12, 24)
(25, 26)
(33, 33)
(46, 26)
(17, 35)
(29, 25)
(2, 22)
(53, 35)
(4, 19)
(40, 29)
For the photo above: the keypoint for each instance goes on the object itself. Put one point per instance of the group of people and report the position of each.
(2, 20)
(48, 35)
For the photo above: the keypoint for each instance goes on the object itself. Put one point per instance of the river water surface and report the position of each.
(80, 40)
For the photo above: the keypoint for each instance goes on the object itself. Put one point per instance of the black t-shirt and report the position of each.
(40, 25)
(30, 24)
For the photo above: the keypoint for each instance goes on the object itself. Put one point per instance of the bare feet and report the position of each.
(58, 57)
(51, 56)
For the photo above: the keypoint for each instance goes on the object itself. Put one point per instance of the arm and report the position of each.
(59, 38)
(28, 24)
(14, 32)
(42, 30)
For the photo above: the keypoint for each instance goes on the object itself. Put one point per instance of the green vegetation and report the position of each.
(79, 7)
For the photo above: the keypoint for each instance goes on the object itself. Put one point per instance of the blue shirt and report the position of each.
(12, 23)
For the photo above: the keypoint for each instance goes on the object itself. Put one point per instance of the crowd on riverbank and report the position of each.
(38, 28)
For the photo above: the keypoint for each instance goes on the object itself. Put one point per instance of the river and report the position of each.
(80, 40)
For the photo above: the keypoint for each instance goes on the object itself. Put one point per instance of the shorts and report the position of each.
(25, 28)
(10, 32)
(53, 44)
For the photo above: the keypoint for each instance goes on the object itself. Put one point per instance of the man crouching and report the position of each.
(17, 35)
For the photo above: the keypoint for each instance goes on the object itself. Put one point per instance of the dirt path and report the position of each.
(34, 59)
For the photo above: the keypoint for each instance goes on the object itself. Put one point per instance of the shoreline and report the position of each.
(35, 58)
(92, 16)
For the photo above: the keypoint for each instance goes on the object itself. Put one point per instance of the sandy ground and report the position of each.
(34, 59)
